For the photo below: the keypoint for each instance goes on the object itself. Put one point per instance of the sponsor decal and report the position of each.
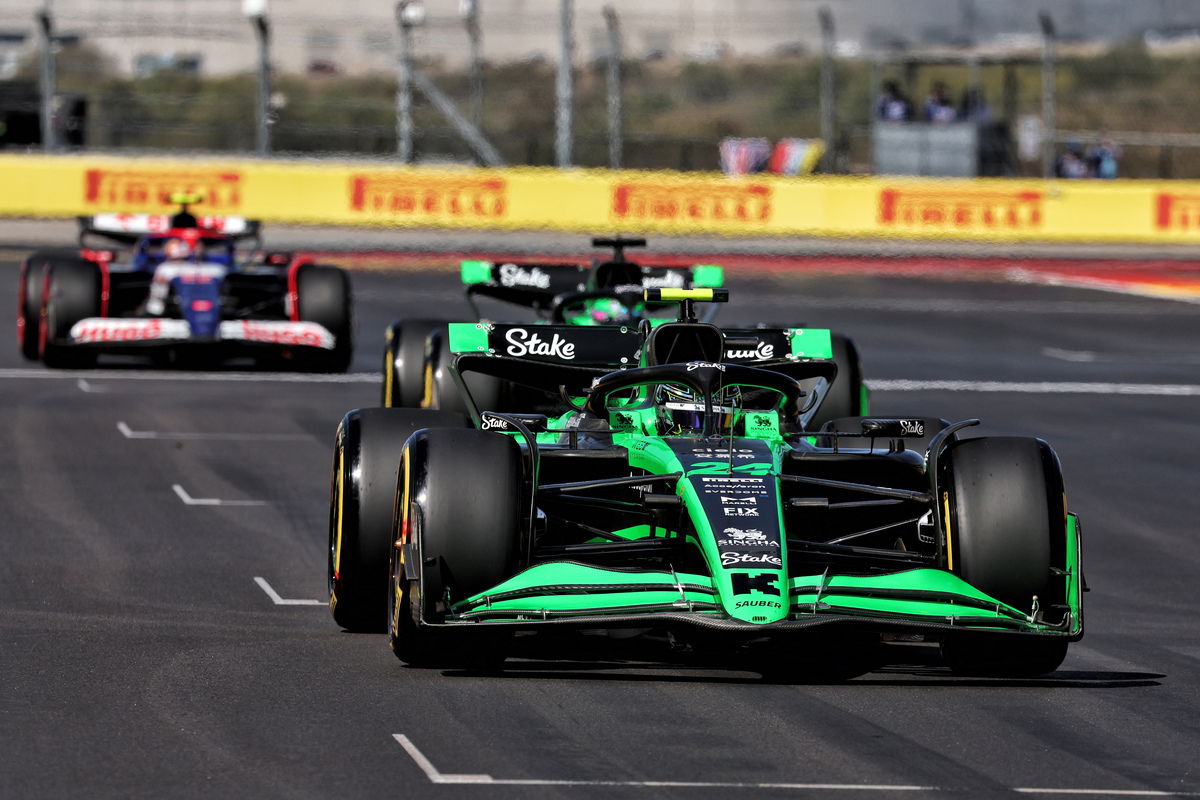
(623, 422)
(758, 604)
(402, 195)
(729, 480)
(515, 275)
(142, 188)
(98, 329)
(912, 427)
(738, 511)
(522, 342)
(1177, 212)
(747, 535)
(296, 334)
(716, 467)
(761, 582)
(695, 365)
(491, 422)
(692, 201)
(672, 279)
(961, 210)
(731, 558)
(760, 353)
(738, 501)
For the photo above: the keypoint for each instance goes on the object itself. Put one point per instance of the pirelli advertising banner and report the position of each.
(599, 201)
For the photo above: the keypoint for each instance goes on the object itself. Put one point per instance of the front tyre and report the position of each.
(366, 455)
(70, 292)
(462, 548)
(1006, 535)
(323, 296)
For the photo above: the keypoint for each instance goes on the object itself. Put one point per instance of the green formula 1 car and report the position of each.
(685, 495)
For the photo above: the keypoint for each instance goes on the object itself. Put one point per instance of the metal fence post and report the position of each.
(615, 143)
(565, 88)
(263, 32)
(407, 14)
(46, 24)
(1048, 121)
(828, 107)
(470, 13)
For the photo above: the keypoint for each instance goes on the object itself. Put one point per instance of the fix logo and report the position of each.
(516, 275)
(739, 511)
(522, 342)
(761, 582)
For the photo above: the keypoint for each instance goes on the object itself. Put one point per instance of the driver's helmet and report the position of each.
(175, 249)
(681, 410)
(607, 311)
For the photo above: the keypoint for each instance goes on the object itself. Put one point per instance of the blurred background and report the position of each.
(1078, 88)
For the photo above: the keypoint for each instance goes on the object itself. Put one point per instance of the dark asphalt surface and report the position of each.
(139, 657)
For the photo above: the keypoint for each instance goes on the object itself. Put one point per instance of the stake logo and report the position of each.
(522, 342)
(515, 275)
(490, 422)
(760, 353)
(912, 427)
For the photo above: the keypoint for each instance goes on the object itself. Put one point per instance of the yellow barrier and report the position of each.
(340, 193)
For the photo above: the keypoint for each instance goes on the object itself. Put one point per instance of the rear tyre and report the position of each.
(323, 296)
(463, 547)
(366, 455)
(70, 292)
(1006, 536)
(846, 397)
(443, 391)
(404, 362)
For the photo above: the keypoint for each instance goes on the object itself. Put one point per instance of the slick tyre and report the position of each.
(459, 548)
(29, 298)
(70, 292)
(366, 456)
(323, 296)
(846, 395)
(1006, 535)
(404, 362)
(444, 392)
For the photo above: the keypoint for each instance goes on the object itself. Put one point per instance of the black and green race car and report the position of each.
(680, 493)
(606, 292)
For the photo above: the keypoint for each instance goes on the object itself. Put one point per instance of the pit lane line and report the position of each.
(438, 777)
(188, 500)
(884, 385)
(282, 601)
(129, 433)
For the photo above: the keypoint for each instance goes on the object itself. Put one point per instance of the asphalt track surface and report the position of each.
(163, 633)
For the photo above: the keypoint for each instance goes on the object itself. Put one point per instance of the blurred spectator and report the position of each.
(1102, 158)
(938, 107)
(892, 105)
(974, 108)
(1072, 164)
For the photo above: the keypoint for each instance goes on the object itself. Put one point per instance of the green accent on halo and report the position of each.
(476, 271)
(467, 337)
(811, 343)
(708, 275)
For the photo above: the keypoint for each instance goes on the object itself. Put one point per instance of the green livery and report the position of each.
(651, 483)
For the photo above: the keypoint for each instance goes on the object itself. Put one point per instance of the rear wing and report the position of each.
(128, 228)
(601, 346)
(750, 345)
(523, 284)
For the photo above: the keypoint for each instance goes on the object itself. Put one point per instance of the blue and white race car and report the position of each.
(186, 288)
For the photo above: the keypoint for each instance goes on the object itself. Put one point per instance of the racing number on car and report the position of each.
(761, 582)
(722, 467)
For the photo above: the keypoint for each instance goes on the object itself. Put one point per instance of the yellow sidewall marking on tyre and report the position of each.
(946, 518)
(340, 495)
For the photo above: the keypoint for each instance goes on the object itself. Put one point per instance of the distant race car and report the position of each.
(610, 292)
(678, 493)
(181, 289)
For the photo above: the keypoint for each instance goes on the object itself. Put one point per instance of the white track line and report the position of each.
(1106, 792)
(129, 433)
(84, 386)
(211, 501)
(279, 601)
(435, 776)
(206, 377)
(1044, 387)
